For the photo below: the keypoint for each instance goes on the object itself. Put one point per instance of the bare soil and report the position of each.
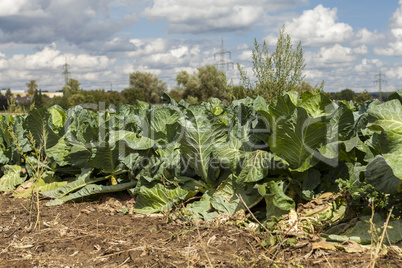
(95, 234)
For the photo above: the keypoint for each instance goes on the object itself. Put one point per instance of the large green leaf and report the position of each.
(57, 119)
(133, 140)
(160, 121)
(282, 107)
(362, 231)
(3, 157)
(202, 209)
(225, 198)
(341, 123)
(259, 103)
(47, 182)
(397, 95)
(297, 139)
(318, 105)
(105, 158)
(38, 123)
(11, 178)
(163, 127)
(92, 189)
(215, 106)
(169, 100)
(203, 132)
(82, 180)
(257, 165)
(127, 117)
(158, 198)
(13, 141)
(386, 116)
(60, 153)
(385, 173)
(277, 202)
(84, 126)
(311, 179)
(231, 153)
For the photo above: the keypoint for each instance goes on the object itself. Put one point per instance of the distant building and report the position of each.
(53, 94)
(23, 93)
(23, 99)
(14, 91)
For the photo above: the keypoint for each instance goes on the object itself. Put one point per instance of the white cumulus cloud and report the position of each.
(44, 21)
(319, 26)
(360, 50)
(45, 66)
(210, 15)
(394, 46)
(11, 7)
(334, 56)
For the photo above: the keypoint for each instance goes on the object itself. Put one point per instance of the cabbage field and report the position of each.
(210, 160)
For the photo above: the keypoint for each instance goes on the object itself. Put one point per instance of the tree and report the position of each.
(144, 87)
(38, 99)
(176, 94)
(114, 97)
(3, 103)
(208, 82)
(32, 86)
(11, 105)
(238, 92)
(362, 97)
(58, 100)
(101, 97)
(345, 94)
(306, 86)
(76, 99)
(8, 92)
(72, 87)
(277, 72)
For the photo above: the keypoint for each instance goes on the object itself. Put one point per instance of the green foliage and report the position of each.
(72, 87)
(144, 87)
(238, 92)
(176, 94)
(72, 95)
(3, 103)
(208, 82)
(345, 94)
(362, 97)
(32, 87)
(276, 72)
(211, 158)
(307, 87)
(8, 92)
(396, 95)
(11, 105)
(38, 99)
(94, 98)
(61, 101)
(12, 177)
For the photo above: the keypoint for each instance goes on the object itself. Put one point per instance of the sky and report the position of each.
(346, 44)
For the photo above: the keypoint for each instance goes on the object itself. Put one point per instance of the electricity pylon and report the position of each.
(66, 73)
(380, 81)
(221, 54)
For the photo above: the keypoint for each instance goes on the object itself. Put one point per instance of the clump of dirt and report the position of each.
(96, 234)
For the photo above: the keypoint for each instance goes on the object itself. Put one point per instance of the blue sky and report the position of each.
(345, 43)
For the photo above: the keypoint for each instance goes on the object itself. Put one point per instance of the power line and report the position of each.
(380, 81)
